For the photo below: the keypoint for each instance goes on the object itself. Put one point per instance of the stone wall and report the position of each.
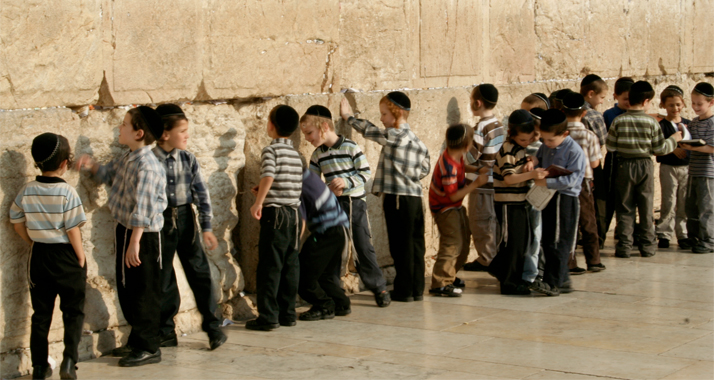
(233, 61)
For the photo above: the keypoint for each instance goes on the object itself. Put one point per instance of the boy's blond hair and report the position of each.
(316, 121)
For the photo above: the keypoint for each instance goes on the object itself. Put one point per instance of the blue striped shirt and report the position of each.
(319, 206)
(342, 160)
(702, 164)
(49, 207)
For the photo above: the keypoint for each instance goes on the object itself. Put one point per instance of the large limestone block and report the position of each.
(561, 43)
(702, 37)
(512, 41)
(607, 28)
(50, 53)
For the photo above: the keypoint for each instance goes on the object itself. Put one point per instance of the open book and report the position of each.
(539, 196)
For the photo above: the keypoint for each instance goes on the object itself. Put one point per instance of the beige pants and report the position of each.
(453, 246)
(483, 224)
(673, 218)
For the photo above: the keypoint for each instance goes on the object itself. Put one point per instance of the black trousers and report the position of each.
(139, 289)
(180, 236)
(508, 264)
(405, 230)
(558, 239)
(605, 195)
(320, 260)
(369, 271)
(55, 270)
(278, 273)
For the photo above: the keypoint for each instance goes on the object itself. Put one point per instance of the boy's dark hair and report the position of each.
(49, 150)
(146, 119)
(520, 121)
(671, 92)
(592, 82)
(623, 85)
(641, 91)
(553, 121)
(285, 119)
(458, 136)
(171, 114)
(487, 94)
(537, 99)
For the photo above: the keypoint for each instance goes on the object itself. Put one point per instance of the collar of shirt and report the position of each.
(576, 125)
(282, 140)
(163, 155)
(135, 155)
(404, 126)
(337, 145)
(588, 106)
(635, 112)
(44, 179)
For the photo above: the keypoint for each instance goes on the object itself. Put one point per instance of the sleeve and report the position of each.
(315, 164)
(425, 162)
(148, 183)
(660, 145)
(611, 143)
(359, 161)
(370, 131)
(267, 163)
(73, 213)
(539, 156)
(595, 122)
(106, 173)
(594, 151)
(492, 142)
(506, 163)
(201, 197)
(17, 213)
(576, 164)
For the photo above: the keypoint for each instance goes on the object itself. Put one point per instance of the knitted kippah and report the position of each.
(641, 87)
(318, 110)
(537, 113)
(589, 79)
(489, 92)
(169, 109)
(285, 119)
(542, 97)
(574, 101)
(153, 120)
(519, 117)
(552, 117)
(400, 99)
(44, 147)
(676, 89)
(705, 89)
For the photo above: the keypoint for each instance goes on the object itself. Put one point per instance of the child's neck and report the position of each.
(708, 114)
(168, 148)
(55, 173)
(573, 119)
(638, 107)
(455, 154)
(674, 119)
(483, 114)
(331, 139)
(134, 145)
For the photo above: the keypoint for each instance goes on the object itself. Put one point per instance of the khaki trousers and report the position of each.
(453, 246)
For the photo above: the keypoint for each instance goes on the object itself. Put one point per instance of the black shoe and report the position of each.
(446, 291)
(596, 267)
(459, 283)
(684, 244)
(169, 340)
(138, 358)
(545, 288)
(383, 298)
(523, 289)
(260, 325)
(121, 351)
(418, 298)
(68, 369)
(41, 371)
(622, 255)
(287, 322)
(566, 287)
(475, 266)
(701, 249)
(663, 243)
(577, 270)
(647, 254)
(315, 314)
(400, 298)
(216, 339)
(343, 311)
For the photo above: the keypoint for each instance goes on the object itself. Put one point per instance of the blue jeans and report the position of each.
(530, 267)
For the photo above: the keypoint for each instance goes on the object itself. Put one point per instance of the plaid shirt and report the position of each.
(588, 141)
(404, 159)
(184, 183)
(137, 197)
(595, 122)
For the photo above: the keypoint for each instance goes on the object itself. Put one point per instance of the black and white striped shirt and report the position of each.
(282, 162)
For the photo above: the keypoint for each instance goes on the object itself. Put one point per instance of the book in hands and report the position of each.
(695, 142)
(539, 197)
(557, 171)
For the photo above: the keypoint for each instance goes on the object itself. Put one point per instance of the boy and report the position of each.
(47, 214)
(558, 239)
(321, 255)
(137, 200)
(346, 171)
(635, 137)
(574, 106)
(446, 192)
(489, 135)
(593, 89)
(276, 206)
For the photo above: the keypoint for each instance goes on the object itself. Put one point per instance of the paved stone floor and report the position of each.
(642, 318)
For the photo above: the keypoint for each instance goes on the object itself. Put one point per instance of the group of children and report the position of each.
(534, 182)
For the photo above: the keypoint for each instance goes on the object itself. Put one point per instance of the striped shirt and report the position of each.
(589, 142)
(49, 207)
(342, 160)
(489, 135)
(595, 122)
(319, 206)
(510, 160)
(184, 183)
(636, 134)
(448, 177)
(137, 197)
(403, 162)
(282, 162)
(702, 164)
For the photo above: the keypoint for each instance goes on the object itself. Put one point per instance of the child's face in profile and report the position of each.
(387, 118)
(524, 139)
(700, 104)
(127, 134)
(312, 134)
(551, 140)
(596, 99)
(177, 137)
(623, 100)
(674, 106)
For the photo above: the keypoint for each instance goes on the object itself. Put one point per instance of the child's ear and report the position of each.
(590, 94)
(566, 133)
(139, 135)
(164, 136)
(63, 164)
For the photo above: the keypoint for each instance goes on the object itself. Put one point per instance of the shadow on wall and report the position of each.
(453, 113)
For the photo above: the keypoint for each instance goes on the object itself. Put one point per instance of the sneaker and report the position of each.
(663, 243)
(260, 325)
(545, 288)
(383, 298)
(446, 291)
(316, 314)
(139, 358)
(684, 244)
(475, 266)
(169, 340)
(577, 270)
(341, 311)
(596, 267)
(701, 249)
(459, 283)
(566, 287)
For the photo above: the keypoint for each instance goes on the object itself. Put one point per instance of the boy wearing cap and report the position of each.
(574, 107)
(346, 171)
(276, 207)
(47, 214)
(593, 90)
(634, 137)
(558, 239)
(137, 200)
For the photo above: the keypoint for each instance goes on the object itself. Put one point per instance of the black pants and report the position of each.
(605, 195)
(369, 271)
(278, 264)
(179, 235)
(320, 260)
(55, 270)
(508, 264)
(558, 239)
(405, 230)
(139, 289)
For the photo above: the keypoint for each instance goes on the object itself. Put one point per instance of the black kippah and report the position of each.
(574, 101)
(675, 88)
(489, 92)
(169, 109)
(552, 117)
(705, 89)
(589, 79)
(318, 110)
(285, 119)
(44, 147)
(400, 99)
(537, 112)
(641, 87)
(519, 117)
(560, 95)
(542, 97)
(153, 121)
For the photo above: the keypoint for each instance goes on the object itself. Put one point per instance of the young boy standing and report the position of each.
(137, 200)
(635, 137)
(346, 171)
(574, 107)
(47, 214)
(558, 238)
(593, 90)
(276, 207)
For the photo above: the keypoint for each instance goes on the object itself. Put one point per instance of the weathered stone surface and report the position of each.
(512, 32)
